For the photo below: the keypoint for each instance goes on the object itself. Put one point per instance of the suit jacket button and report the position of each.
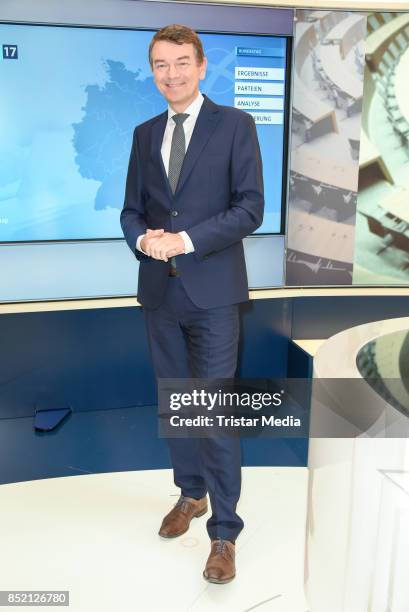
(174, 213)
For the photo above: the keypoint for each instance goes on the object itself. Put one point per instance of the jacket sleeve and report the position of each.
(133, 212)
(245, 213)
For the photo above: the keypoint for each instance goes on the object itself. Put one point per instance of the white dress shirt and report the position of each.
(188, 125)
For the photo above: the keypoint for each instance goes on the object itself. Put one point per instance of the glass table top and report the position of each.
(384, 364)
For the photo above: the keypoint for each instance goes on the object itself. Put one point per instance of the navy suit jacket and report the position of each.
(218, 201)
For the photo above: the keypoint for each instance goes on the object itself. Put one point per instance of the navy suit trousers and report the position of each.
(191, 342)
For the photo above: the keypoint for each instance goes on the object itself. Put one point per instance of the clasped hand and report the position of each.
(162, 245)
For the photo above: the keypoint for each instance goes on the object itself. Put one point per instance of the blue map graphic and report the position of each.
(112, 111)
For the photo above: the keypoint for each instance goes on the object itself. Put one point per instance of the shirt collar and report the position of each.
(192, 110)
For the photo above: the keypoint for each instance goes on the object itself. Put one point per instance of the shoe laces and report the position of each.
(221, 546)
(183, 504)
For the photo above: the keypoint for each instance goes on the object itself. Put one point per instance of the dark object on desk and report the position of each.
(49, 418)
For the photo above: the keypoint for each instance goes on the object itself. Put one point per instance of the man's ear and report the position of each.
(203, 68)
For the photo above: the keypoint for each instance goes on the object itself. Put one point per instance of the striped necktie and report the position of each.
(177, 155)
(177, 150)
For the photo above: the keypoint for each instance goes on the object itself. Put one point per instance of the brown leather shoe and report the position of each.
(220, 567)
(177, 521)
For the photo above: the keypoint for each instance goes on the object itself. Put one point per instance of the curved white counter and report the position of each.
(358, 508)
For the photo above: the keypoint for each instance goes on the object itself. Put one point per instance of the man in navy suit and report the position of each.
(194, 190)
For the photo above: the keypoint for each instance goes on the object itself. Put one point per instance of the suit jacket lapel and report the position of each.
(206, 122)
(158, 130)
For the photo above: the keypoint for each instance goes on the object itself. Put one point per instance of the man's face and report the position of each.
(176, 73)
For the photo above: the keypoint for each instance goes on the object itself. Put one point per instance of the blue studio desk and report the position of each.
(81, 354)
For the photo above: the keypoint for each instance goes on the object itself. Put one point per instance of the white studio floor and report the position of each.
(96, 536)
